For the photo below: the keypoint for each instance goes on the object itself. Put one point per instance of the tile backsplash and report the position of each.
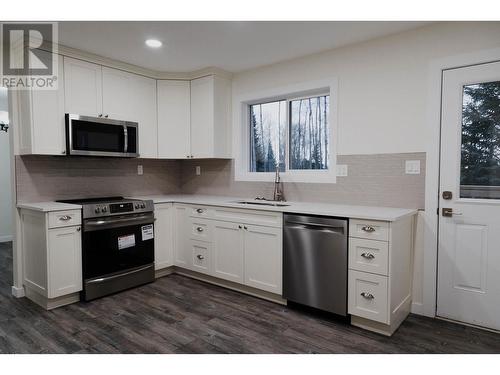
(376, 180)
(46, 178)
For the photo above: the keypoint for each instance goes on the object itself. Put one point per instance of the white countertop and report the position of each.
(49, 206)
(313, 208)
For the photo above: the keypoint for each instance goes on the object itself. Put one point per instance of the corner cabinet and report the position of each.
(163, 232)
(194, 118)
(52, 256)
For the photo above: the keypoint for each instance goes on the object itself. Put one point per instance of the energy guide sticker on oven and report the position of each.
(125, 242)
(147, 232)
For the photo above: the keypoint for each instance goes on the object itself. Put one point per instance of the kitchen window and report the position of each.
(291, 132)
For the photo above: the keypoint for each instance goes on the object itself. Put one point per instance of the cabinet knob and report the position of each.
(199, 229)
(100, 115)
(367, 295)
(245, 227)
(106, 116)
(78, 229)
(200, 257)
(199, 210)
(368, 255)
(368, 228)
(240, 227)
(63, 152)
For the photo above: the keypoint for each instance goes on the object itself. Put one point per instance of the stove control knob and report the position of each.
(97, 210)
(104, 209)
(143, 205)
(137, 206)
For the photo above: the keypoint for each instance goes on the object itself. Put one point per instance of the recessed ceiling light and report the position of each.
(153, 43)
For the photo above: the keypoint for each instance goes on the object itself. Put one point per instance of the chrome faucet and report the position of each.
(278, 189)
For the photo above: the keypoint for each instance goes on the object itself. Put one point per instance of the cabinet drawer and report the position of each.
(374, 230)
(200, 252)
(369, 256)
(200, 229)
(246, 216)
(368, 296)
(200, 211)
(65, 218)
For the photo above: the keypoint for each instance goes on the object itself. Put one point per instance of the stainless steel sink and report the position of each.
(263, 203)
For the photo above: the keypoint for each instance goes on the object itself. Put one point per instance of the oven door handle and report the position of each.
(98, 224)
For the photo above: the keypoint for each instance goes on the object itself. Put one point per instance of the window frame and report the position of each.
(289, 93)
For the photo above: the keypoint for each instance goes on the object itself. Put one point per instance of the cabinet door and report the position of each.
(263, 258)
(164, 242)
(202, 117)
(47, 116)
(182, 249)
(201, 252)
(82, 87)
(228, 258)
(131, 97)
(174, 119)
(65, 261)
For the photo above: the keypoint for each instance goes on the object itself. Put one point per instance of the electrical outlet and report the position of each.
(140, 170)
(412, 167)
(341, 170)
(198, 170)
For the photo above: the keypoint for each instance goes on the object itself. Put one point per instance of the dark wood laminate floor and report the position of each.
(180, 315)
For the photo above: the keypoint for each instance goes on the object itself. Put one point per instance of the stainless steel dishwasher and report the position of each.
(315, 262)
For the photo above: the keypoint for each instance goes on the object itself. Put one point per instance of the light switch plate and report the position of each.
(341, 170)
(198, 170)
(140, 170)
(412, 167)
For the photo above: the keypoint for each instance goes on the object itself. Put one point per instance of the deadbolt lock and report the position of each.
(447, 195)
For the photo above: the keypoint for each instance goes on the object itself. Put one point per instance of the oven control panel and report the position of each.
(117, 208)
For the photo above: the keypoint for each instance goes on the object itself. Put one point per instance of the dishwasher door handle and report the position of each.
(313, 226)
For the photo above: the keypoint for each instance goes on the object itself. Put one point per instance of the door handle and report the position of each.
(448, 212)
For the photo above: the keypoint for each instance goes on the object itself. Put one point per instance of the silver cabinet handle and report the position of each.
(368, 228)
(200, 257)
(199, 229)
(78, 229)
(100, 115)
(240, 227)
(199, 210)
(367, 295)
(245, 227)
(368, 255)
(65, 218)
(106, 116)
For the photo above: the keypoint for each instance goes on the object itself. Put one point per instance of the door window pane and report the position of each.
(309, 133)
(480, 150)
(267, 136)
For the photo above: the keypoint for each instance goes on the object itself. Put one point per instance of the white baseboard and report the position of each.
(18, 292)
(6, 238)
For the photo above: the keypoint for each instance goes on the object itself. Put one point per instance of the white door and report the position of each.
(174, 119)
(228, 257)
(164, 244)
(202, 117)
(131, 97)
(82, 87)
(469, 235)
(263, 258)
(65, 261)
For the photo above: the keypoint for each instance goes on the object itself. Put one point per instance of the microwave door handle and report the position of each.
(125, 139)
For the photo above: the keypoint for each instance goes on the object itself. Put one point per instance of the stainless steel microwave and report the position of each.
(99, 136)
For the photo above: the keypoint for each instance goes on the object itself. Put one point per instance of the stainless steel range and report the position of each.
(117, 244)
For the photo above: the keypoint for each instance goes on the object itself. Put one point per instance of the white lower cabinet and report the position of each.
(52, 256)
(163, 232)
(229, 261)
(368, 296)
(263, 258)
(228, 244)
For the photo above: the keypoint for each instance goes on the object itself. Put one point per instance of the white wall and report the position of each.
(382, 84)
(5, 187)
(383, 94)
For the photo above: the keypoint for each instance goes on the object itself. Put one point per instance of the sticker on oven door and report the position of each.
(147, 232)
(125, 242)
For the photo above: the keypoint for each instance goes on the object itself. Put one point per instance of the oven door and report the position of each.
(97, 136)
(116, 244)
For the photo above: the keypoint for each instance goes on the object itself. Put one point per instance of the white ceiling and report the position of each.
(233, 46)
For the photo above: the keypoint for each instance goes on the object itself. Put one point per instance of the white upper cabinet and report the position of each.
(174, 119)
(83, 87)
(132, 97)
(210, 117)
(41, 119)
